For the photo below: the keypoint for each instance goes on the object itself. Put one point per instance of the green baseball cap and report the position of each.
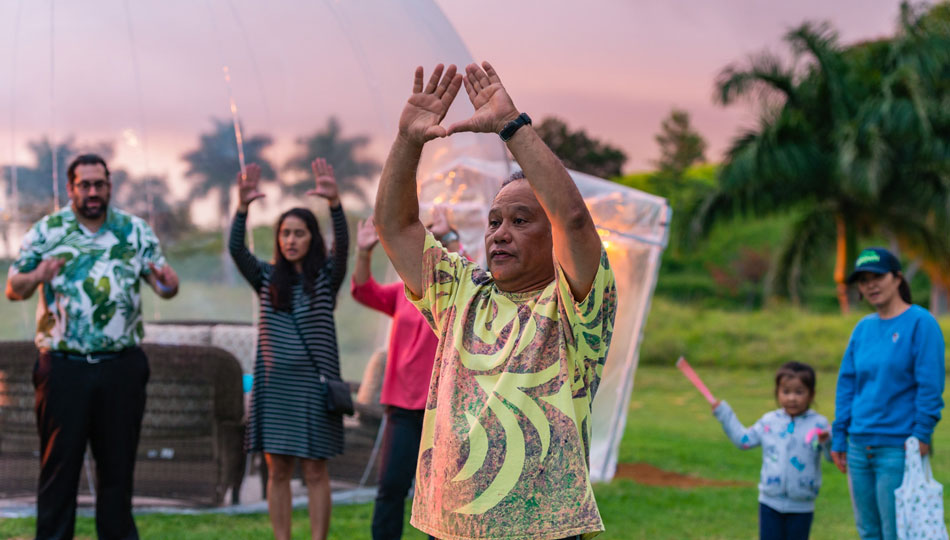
(875, 260)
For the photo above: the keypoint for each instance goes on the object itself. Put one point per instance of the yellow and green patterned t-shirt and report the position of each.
(506, 436)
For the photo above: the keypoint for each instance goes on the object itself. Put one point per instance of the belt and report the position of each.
(91, 358)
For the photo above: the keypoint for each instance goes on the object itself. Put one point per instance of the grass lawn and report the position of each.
(669, 426)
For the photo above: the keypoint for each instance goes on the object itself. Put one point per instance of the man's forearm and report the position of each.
(576, 242)
(21, 286)
(397, 205)
(397, 213)
(552, 184)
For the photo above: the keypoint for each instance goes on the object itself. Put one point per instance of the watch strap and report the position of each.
(510, 128)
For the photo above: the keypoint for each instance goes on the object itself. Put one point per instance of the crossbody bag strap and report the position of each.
(303, 338)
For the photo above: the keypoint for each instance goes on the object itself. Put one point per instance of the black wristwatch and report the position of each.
(510, 128)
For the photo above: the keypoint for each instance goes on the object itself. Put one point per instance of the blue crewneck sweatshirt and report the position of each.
(890, 384)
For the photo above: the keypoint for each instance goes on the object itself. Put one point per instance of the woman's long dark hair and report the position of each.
(284, 278)
(904, 288)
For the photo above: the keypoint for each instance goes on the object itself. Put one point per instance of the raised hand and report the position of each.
(420, 119)
(47, 269)
(366, 236)
(493, 105)
(325, 182)
(248, 183)
(440, 221)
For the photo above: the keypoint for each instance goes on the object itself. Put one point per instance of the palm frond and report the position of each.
(812, 236)
(762, 78)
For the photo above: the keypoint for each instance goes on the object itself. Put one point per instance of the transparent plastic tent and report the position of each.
(144, 82)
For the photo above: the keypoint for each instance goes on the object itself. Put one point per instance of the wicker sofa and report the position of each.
(191, 446)
(240, 339)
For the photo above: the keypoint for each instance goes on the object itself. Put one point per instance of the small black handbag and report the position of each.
(339, 399)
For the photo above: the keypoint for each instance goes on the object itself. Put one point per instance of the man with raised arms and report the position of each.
(506, 433)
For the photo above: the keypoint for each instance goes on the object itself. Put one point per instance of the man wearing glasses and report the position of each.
(87, 260)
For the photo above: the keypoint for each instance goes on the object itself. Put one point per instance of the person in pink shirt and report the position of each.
(412, 348)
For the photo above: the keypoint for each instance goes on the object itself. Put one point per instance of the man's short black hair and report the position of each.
(85, 159)
(517, 175)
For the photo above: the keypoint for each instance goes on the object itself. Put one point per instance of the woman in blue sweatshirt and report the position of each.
(889, 388)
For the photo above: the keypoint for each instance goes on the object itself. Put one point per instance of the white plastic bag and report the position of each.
(919, 499)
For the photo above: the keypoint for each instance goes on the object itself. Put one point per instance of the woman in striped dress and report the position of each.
(296, 344)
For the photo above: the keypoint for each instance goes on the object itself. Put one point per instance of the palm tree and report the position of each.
(791, 161)
(834, 144)
(142, 196)
(214, 164)
(34, 196)
(907, 146)
(352, 172)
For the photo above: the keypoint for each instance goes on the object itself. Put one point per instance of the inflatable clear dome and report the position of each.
(178, 96)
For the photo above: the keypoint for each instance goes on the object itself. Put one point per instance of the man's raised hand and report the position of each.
(493, 105)
(248, 187)
(427, 106)
(325, 182)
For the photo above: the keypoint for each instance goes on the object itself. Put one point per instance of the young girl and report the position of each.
(792, 439)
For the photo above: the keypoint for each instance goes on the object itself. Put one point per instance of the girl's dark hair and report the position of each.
(798, 370)
(284, 278)
(904, 288)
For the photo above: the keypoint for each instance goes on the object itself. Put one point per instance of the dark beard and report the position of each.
(87, 213)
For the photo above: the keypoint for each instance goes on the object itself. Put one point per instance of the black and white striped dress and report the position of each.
(288, 402)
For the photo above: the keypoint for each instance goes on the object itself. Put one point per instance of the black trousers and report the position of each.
(397, 468)
(102, 404)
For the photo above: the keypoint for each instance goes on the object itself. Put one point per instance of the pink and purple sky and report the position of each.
(136, 72)
(617, 67)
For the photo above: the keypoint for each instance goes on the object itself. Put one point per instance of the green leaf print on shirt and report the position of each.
(123, 251)
(78, 268)
(99, 295)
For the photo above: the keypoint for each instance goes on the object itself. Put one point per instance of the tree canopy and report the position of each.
(855, 138)
(214, 163)
(353, 173)
(579, 151)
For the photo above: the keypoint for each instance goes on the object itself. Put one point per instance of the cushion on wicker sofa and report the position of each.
(191, 445)
(178, 334)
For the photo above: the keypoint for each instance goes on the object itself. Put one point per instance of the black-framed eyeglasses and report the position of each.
(84, 185)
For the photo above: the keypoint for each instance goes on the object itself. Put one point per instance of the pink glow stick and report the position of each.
(812, 436)
(687, 370)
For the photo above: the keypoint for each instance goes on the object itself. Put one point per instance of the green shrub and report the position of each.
(752, 339)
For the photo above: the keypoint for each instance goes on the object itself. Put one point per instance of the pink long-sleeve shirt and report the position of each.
(412, 344)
